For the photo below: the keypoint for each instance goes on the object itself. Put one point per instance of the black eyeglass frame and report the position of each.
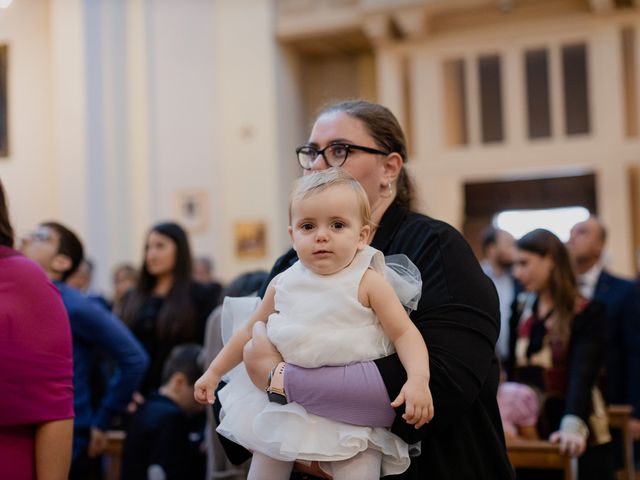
(347, 146)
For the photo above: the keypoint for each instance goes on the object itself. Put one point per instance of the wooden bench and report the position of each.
(113, 454)
(619, 416)
(540, 454)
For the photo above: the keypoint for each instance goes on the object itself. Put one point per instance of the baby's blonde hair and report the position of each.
(317, 182)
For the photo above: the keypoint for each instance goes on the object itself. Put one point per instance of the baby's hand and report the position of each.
(205, 386)
(416, 396)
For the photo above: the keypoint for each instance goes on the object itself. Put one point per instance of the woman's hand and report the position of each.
(260, 356)
(570, 443)
(313, 469)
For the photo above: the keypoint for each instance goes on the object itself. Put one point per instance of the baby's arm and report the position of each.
(397, 325)
(231, 353)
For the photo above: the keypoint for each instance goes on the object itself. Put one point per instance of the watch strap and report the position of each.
(275, 388)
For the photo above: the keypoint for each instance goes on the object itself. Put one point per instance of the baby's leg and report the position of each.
(267, 468)
(365, 465)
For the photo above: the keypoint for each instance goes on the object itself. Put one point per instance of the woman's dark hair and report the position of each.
(386, 131)
(6, 230)
(177, 317)
(562, 282)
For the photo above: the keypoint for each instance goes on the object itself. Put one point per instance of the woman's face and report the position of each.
(123, 281)
(532, 270)
(160, 256)
(367, 168)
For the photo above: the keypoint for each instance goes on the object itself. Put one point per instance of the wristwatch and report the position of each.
(275, 386)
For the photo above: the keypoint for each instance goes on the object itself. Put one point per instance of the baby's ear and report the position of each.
(363, 241)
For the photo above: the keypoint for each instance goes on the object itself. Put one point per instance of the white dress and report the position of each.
(318, 322)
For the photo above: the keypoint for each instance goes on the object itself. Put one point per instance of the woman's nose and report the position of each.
(318, 163)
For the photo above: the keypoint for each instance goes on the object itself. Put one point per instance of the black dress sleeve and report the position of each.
(458, 317)
(586, 358)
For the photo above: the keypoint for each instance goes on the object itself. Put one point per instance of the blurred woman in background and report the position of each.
(559, 350)
(166, 308)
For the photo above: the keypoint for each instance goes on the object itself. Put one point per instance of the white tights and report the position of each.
(365, 465)
(267, 468)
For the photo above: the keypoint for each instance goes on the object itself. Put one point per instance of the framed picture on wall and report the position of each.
(191, 209)
(4, 101)
(250, 239)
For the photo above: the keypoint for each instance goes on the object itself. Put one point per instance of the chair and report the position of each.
(619, 416)
(540, 454)
(113, 454)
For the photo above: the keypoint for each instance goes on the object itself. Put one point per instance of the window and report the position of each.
(576, 89)
(538, 96)
(455, 103)
(556, 220)
(490, 98)
(629, 81)
(407, 103)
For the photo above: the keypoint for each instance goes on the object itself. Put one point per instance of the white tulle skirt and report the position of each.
(310, 335)
(288, 432)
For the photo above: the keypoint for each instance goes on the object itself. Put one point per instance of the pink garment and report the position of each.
(36, 371)
(519, 406)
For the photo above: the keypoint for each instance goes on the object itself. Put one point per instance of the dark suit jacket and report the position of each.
(623, 338)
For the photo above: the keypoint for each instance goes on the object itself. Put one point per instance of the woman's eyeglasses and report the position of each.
(334, 155)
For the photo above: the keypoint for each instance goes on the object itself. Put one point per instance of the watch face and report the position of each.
(277, 398)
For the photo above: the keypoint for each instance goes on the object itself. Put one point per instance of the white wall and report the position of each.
(180, 95)
(118, 107)
(28, 174)
(207, 122)
(249, 185)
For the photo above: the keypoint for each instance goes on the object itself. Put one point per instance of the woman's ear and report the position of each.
(392, 165)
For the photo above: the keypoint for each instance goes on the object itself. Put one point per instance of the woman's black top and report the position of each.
(144, 327)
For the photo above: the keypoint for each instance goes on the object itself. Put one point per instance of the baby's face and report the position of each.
(327, 230)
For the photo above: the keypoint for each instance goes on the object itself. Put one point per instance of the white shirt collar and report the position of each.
(587, 281)
(488, 270)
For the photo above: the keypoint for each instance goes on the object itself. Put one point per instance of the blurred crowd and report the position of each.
(138, 352)
(593, 340)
